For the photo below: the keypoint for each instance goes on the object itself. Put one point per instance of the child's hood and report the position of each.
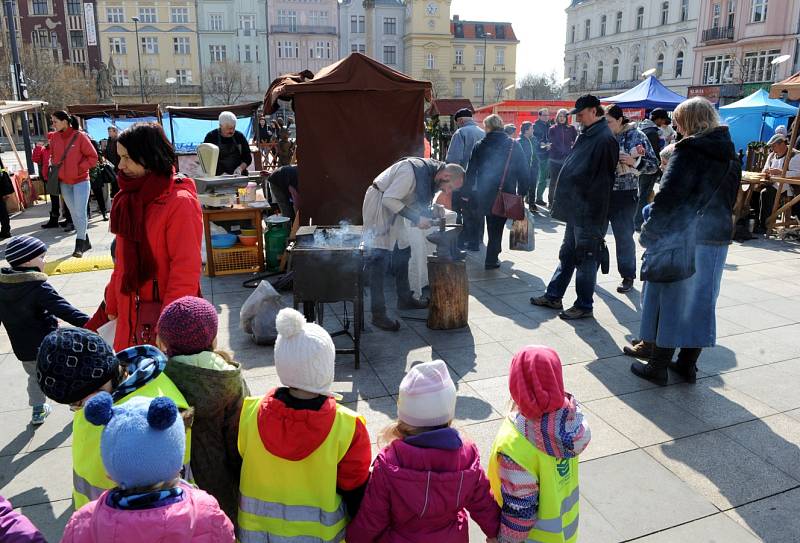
(16, 284)
(293, 434)
(563, 433)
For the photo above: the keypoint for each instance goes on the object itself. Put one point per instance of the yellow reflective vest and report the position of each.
(89, 478)
(285, 501)
(558, 485)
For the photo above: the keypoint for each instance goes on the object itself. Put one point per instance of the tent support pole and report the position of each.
(172, 140)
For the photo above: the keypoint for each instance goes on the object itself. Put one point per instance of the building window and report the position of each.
(459, 57)
(115, 15)
(587, 29)
(390, 26)
(603, 25)
(640, 18)
(184, 77)
(498, 88)
(731, 13)
(636, 69)
(358, 48)
(179, 15)
(216, 21)
(358, 24)
(41, 7)
(615, 70)
(74, 7)
(479, 54)
(684, 10)
(318, 18)
(148, 15)
(76, 40)
(149, 45)
(247, 22)
(430, 61)
(759, 11)
(717, 69)
(679, 65)
(584, 74)
(458, 88)
(660, 65)
(321, 49)
(248, 54)
(390, 55)
(500, 57)
(572, 34)
(218, 53)
(757, 65)
(716, 15)
(117, 46)
(288, 49)
(664, 13)
(181, 46)
(288, 18)
(120, 78)
(479, 88)
(599, 72)
(618, 23)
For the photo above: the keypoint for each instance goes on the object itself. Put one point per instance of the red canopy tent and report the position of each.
(354, 119)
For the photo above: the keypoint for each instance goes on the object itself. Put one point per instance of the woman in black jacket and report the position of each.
(699, 186)
(494, 157)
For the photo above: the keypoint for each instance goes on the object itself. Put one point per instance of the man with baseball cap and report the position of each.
(764, 200)
(581, 199)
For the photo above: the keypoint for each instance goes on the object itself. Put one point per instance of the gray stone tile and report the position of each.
(468, 336)
(755, 318)
(594, 527)
(482, 434)
(478, 361)
(48, 470)
(354, 384)
(770, 385)
(773, 519)
(647, 418)
(728, 478)
(378, 414)
(472, 407)
(622, 486)
(714, 529)
(605, 439)
(602, 379)
(783, 308)
(506, 285)
(502, 328)
(495, 391)
(775, 439)
(49, 517)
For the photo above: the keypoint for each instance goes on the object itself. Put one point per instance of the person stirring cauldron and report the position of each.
(234, 151)
(404, 190)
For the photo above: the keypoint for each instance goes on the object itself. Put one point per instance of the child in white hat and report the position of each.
(427, 478)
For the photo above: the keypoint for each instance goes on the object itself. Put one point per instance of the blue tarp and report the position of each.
(189, 133)
(649, 94)
(755, 117)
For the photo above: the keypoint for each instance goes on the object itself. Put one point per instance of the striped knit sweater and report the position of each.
(563, 434)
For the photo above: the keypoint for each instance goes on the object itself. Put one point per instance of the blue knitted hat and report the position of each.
(143, 441)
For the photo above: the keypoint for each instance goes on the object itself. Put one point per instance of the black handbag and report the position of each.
(53, 187)
(673, 260)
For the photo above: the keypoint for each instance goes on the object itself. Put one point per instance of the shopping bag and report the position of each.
(257, 316)
(521, 237)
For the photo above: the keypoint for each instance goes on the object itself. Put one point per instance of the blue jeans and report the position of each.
(578, 253)
(620, 214)
(77, 198)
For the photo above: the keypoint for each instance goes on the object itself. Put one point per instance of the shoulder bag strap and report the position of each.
(505, 170)
(67, 148)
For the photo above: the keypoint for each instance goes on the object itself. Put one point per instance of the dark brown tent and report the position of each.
(354, 119)
(116, 111)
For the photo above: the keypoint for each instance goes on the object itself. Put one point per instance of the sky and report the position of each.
(540, 26)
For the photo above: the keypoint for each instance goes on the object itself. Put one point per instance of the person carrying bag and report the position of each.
(506, 204)
(53, 187)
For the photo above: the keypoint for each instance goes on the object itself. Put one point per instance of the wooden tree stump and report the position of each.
(449, 305)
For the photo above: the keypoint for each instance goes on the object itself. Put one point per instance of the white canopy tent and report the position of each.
(9, 107)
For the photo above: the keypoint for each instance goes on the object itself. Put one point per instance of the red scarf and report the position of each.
(128, 223)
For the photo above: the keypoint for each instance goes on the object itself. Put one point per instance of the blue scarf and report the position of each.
(144, 500)
(143, 364)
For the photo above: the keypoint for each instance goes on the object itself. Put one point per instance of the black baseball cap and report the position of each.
(659, 113)
(463, 112)
(587, 100)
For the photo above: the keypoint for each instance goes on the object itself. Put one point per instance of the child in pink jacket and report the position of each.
(427, 479)
(142, 448)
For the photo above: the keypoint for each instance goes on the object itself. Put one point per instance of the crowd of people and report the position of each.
(167, 442)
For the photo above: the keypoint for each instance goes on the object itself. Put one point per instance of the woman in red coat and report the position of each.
(159, 226)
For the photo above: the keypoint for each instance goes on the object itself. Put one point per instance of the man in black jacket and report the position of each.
(581, 199)
(530, 146)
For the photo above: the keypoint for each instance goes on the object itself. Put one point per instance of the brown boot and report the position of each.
(643, 350)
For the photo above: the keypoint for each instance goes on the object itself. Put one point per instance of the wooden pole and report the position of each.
(449, 306)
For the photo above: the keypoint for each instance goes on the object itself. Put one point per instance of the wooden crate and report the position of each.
(238, 259)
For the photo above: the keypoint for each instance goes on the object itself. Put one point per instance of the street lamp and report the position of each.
(649, 72)
(172, 81)
(138, 56)
(486, 36)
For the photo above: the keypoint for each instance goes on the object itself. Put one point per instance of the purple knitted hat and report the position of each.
(188, 326)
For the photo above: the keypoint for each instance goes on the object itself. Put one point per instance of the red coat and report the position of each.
(41, 157)
(81, 157)
(174, 224)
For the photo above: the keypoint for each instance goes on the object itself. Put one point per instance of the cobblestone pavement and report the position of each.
(718, 461)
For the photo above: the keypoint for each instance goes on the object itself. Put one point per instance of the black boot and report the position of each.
(87, 246)
(409, 302)
(686, 366)
(382, 321)
(78, 252)
(5, 234)
(105, 216)
(69, 227)
(655, 370)
(52, 223)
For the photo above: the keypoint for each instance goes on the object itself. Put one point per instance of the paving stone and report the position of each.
(495, 391)
(354, 384)
(49, 516)
(773, 519)
(773, 386)
(755, 318)
(637, 496)
(730, 477)
(605, 439)
(478, 361)
(775, 439)
(24, 472)
(714, 529)
(378, 414)
(453, 339)
(602, 379)
(594, 527)
(502, 328)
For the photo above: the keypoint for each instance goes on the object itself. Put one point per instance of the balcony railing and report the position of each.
(156, 90)
(613, 85)
(718, 34)
(302, 29)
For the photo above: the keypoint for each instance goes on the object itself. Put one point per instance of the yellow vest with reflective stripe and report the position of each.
(286, 501)
(558, 485)
(89, 478)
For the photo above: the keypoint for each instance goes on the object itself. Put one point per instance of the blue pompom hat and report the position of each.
(143, 442)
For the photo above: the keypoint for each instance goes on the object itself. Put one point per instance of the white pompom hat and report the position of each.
(304, 354)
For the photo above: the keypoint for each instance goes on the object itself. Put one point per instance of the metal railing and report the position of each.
(720, 33)
(612, 85)
(160, 90)
(302, 29)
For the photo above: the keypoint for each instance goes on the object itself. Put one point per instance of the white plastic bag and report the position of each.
(257, 316)
(522, 237)
(108, 331)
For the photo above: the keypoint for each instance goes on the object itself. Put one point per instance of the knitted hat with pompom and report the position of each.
(304, 353)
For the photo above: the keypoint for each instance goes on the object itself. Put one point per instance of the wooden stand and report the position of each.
(449, 307)
(255, 254)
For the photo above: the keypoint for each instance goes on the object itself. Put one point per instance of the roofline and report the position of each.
(483, 22)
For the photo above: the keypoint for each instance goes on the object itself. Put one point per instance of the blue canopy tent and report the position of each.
(649, 94)
(755, 117)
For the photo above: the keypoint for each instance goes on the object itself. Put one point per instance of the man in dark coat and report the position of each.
(582, 198)
(541, 132)
(530, 147)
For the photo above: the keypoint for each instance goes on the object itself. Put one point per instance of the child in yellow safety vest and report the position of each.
(533, 467)
(73, 365)
(305, 458)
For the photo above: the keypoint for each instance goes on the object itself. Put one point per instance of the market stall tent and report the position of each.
(790, 85)
(649, 94)
(186, 127)
(98, 117)
(755, 117)
(8, 107)
(354, 119)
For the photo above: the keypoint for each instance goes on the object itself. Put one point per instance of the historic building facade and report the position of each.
(611, 43)
(374, 28)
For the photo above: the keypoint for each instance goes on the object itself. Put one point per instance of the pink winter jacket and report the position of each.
(421, 489)
(196, 519)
